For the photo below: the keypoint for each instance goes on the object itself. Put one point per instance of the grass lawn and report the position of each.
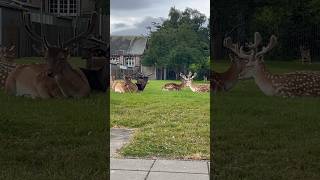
(53, 139)
(260, 137)
(168, 124)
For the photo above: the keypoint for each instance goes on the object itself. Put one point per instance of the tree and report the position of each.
(180, 41)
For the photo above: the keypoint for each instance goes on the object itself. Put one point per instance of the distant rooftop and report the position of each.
(132, 45)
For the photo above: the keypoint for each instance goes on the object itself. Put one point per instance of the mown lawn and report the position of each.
(168, 124)
(260, 137)
(53, 139)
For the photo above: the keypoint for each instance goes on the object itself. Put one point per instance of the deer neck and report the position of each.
(230, 77)
(263, 78)
(193, 87)
(70, 81)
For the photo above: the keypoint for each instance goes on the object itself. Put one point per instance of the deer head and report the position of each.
(252, 58)
(7, 54)
(56, 56)
(188, 79)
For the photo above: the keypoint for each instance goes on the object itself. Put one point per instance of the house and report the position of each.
(126, 55)
(50, 17)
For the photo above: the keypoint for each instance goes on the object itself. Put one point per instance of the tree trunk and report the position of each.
(216, 40)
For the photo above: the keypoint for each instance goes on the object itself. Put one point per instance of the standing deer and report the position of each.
(175, 86)
(195, 87)
(305, 55)
(56, 78)
(286, 85)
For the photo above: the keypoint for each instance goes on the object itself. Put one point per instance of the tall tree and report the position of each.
(180, 41)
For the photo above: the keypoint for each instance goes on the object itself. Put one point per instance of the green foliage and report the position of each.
(180, 41)
(165, 122)
(261, 137)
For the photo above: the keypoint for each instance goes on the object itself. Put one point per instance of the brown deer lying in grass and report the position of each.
(286, 85)
(7, 56)
(175, 86)
(228, 79)
(195, 87)
(126, 86)
(56, 78)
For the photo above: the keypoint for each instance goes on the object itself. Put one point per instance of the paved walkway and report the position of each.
(147, 169)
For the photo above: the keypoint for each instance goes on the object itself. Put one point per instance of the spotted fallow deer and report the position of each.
(195, 87)
(7, 56)
(56, 78)
(227, 80)
(285, 85)
(126, 86)
(175, 86)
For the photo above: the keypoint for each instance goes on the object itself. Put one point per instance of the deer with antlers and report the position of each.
(195, 87)
(228, 79)
(142, 81)
(293, 84)
(175, 86)
(126, 86)
(56, 78)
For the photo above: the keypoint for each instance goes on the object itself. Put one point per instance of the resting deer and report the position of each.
(286, 85)
(195, 87)
(228, 79)
(56, 78)
(175, 86)
(125, 86)
(142, 81)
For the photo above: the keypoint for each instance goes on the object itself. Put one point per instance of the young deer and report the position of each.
(56, 78)
(174, 86)
(125, 86)
(195, 87)
(286, 85)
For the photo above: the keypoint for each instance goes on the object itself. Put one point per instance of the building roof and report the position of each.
(13, 4)
(131, 45)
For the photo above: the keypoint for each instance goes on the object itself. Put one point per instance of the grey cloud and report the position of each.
(132, 4)
(140, 28)
(120, 25)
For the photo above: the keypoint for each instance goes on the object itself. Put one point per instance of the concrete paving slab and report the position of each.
(131, 164)
(181, 166)
(127, 175)
(176, 176)
(118, 138)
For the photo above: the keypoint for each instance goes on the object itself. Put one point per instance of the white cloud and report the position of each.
(129, 16)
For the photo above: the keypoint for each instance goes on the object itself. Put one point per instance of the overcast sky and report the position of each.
(130, 17)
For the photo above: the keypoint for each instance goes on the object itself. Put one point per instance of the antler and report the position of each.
(265, 49)
(89, 30)
(235, 48)
(30, 32)
(194, 75)
(257, 41)
(183, 76)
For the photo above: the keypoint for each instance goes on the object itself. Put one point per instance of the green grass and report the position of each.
(168, 124)
(260, 137)
(53, 139)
